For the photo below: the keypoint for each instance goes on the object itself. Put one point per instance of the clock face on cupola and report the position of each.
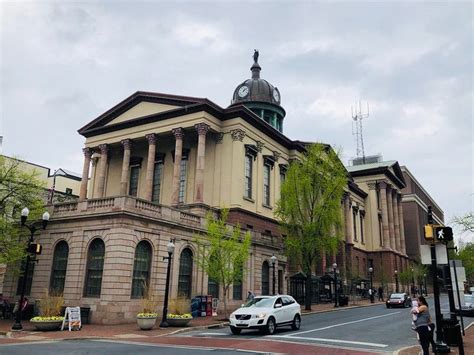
(261, 97)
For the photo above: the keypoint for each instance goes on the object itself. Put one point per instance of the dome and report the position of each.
(261, 97)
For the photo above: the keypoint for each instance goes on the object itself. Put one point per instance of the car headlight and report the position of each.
(232, 315)
(260, 315)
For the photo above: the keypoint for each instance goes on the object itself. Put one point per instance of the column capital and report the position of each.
(104, 148)
(201, 128)
(219, 137)
(383, 185)
(372, 185)
(87, 152)
(178, 133)
(126, 143)
(260, 146)
(276, 155)
(151, 138)
(399, 196)
(238, 134)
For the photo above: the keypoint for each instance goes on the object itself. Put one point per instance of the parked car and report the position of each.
(266, 313)
(398, 300)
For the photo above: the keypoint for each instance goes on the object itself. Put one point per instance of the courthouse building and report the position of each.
(155, 164)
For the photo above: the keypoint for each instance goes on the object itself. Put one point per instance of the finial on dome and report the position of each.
(255, 67)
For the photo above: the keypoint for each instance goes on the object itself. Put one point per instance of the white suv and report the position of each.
(266, 313)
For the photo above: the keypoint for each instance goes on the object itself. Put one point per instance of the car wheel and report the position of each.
(235, 330)
(271, 326)
(296, 322)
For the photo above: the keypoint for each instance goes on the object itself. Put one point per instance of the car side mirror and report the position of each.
(278, 305)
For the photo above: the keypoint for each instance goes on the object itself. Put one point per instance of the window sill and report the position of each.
(267, 206)
(249, 199)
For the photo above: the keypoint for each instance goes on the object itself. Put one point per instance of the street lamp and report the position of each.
(413, 282)
(396, 281)
(273, 259)
(24, 216)
(371, 271)
(334, 268)
(170, 249)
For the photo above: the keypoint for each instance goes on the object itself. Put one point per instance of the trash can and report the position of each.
(343, 300)
(452, 332)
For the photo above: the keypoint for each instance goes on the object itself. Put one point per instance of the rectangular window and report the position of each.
(266, 185)
(213, 288)
(380, 231)
(237, 290)
(29, 277)
(361, 227)
(133, 184)
(182, 179)
(248, 175)
(280, 282)
(157, 174)
(354, 223)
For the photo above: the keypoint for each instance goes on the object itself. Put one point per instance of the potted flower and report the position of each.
(146, 319)
(180, 316)
(50, 317)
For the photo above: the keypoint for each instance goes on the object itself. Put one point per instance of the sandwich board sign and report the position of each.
(72, 316)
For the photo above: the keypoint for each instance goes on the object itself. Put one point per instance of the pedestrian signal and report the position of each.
(444, 234)
(429, 232)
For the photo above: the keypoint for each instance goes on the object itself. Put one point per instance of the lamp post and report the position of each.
(334, 268)
(273, 259)
(413, 282)
(396, 281)
(170, 249)
(24, 216)
(371, 271)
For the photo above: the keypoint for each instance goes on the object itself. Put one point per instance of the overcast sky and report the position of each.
(63, 64)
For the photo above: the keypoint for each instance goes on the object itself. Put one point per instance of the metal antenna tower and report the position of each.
(357, 116)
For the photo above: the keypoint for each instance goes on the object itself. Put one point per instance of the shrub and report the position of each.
(179, 306)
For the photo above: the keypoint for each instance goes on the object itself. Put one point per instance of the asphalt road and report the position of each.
(374, 328)
(99, 347)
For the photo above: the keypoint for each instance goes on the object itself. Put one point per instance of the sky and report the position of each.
(65, 63)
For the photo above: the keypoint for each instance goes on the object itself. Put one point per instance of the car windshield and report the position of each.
(397, 296)
(260, 302)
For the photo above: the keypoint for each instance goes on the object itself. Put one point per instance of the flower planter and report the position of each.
(178, 322)
(47, 325)
(146, 323)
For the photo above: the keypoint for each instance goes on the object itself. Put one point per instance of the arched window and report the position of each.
(265, 278)
(141, 269)
(94, 269)
(185, 273)
(58, 272)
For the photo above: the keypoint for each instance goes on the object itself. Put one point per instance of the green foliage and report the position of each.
(223, 252)
(18, 188)
(466, 255)
(405, 277)
(310, 205)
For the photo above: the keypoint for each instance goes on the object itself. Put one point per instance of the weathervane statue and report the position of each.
(255, 55)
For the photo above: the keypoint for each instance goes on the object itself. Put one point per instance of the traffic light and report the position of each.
(34, 248)
(429, 232)
(444, 234)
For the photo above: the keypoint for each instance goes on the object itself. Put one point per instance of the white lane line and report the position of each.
(341, 324)
(219, 334)
(337, 341)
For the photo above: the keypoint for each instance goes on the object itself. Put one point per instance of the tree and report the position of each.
(466, 255)
(466, 222)
(18, 188)
(223, 253)
(310, 208)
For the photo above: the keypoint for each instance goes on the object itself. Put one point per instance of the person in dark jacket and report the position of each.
(380, 293)
(424, 326)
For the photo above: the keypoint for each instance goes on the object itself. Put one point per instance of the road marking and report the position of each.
(341, 324)
(337, 341)
(219, 334)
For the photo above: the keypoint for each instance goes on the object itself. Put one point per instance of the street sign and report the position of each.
(441, 254)
(444, 234)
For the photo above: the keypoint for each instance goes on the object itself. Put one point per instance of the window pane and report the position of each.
(265, 278)
(237, 289)
(58, 272)
(213, 288)
(248, 176)
(95, 264)
(182, 180)
(134, 173)
(29, 277)
(141, 269)
(266, 184)
(157, 182)
(185, 273)
(354, 226)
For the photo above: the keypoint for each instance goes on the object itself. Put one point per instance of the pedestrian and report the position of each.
(424, 326)
(371, 295)
(381, 293)
(250, 296)
(23, 306)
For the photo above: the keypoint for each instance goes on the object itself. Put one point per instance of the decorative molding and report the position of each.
(260, 146)
(283, 168)
(372, 185)
(151, 138)
(270, 160)
(126, 143)
(201, 128)
(276, 155)
(219, 137)
(383, 185)
(251, 149)
(104, 148)
(178, 133)
(238, 134)
(87, 152)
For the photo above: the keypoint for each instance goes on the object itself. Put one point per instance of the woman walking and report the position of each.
(423, 325)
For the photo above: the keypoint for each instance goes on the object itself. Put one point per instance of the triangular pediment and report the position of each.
(140, 110)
